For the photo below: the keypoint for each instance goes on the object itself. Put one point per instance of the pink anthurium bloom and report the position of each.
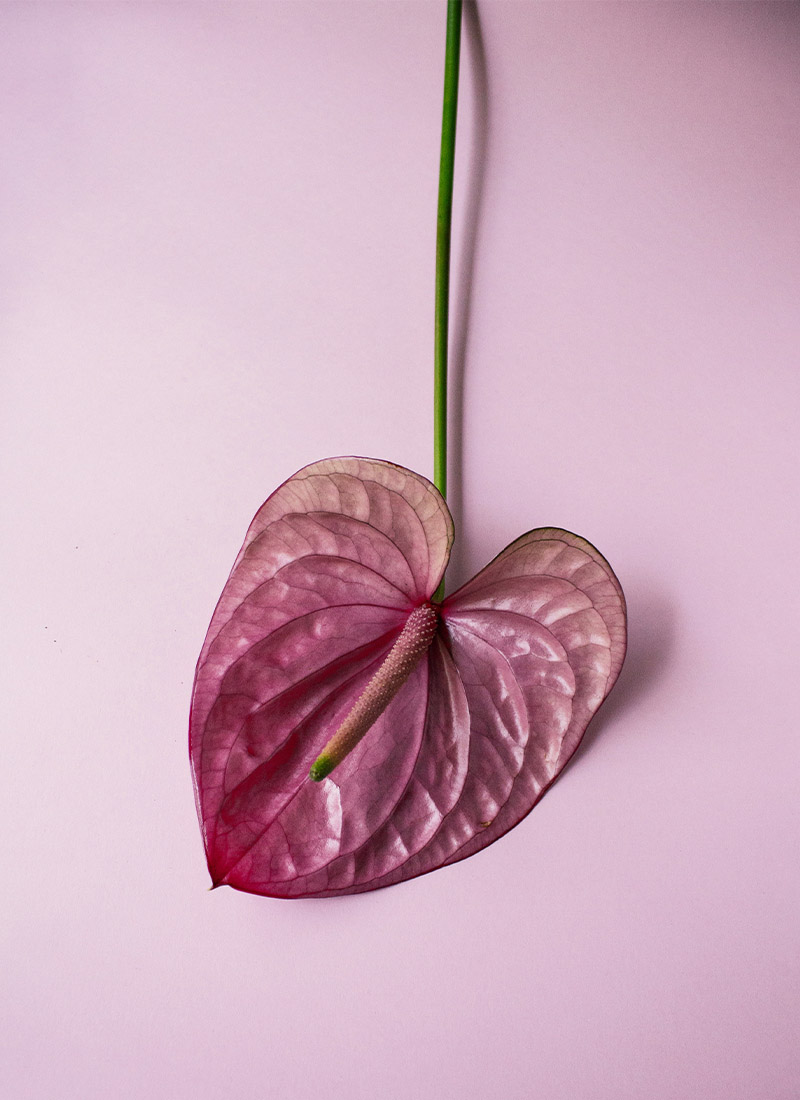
(348, 733)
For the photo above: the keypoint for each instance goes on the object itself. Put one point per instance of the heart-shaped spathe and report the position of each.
(332, 567)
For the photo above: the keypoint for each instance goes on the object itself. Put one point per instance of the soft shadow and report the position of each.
(462, 299)
(651, 642)
(776, 25)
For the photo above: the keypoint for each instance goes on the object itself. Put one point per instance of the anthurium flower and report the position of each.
(348, 731)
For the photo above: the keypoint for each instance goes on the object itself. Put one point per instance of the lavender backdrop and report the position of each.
(217, 263)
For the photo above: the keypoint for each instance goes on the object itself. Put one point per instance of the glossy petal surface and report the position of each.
(331, 568)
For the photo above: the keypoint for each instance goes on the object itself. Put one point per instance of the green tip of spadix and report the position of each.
(322, 767)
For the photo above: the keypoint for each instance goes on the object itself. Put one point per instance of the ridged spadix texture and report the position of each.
(415, 638)
(333, 568)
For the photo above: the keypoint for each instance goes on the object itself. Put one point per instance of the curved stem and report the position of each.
(443, 223)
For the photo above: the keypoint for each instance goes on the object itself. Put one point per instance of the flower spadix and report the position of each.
(415, 638)
(347, 732)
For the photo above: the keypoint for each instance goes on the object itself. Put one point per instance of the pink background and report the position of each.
(217, 266)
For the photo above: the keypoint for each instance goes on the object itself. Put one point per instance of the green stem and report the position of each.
(443, 223)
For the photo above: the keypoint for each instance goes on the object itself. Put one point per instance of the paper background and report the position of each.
(217, 266)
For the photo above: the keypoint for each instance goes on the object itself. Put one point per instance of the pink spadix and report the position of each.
(414, 641)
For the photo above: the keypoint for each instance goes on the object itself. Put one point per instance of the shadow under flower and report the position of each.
(478, 139)
(651, 643)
